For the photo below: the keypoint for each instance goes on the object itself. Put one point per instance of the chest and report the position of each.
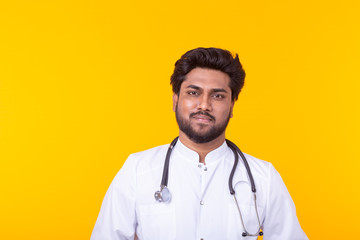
(201, 205)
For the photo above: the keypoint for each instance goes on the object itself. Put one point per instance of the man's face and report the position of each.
(204, 107)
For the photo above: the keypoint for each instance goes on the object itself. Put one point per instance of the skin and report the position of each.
(204, 90)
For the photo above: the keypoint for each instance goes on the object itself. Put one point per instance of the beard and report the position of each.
(201, 137)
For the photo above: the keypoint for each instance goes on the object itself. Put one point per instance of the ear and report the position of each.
(175, 100)
(231, 109)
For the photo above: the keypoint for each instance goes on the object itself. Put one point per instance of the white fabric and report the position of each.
(201, 206)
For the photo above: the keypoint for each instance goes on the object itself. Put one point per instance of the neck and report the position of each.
(201, 148)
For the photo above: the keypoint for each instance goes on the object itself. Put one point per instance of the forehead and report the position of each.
(207, 78)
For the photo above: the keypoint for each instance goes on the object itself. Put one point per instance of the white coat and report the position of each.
(201, 206)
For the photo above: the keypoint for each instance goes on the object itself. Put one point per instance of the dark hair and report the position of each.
(211, 58)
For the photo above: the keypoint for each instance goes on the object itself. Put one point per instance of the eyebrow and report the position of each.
(212, 90)
(219, 90)
(194, 87)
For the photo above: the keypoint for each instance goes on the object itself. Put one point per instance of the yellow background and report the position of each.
(85, 83)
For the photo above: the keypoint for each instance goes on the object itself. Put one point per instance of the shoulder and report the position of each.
(259, 168)
(146, 160)
(140, 163)
(266, 175)
(152, 152)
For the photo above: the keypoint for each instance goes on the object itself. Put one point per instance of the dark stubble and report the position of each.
(205, 137)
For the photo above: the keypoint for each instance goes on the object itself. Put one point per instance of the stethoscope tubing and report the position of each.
(165, 176)
(236, 150)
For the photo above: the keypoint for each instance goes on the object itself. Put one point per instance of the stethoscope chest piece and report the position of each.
(163, 195)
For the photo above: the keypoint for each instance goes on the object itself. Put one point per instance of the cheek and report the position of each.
(224, 113)
(187, 105)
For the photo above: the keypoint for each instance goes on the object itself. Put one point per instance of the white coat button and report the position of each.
(201, 203)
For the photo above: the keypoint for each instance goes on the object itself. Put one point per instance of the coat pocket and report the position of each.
(157, 221)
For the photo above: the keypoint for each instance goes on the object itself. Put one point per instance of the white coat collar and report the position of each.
(221, 153)
(212, 157)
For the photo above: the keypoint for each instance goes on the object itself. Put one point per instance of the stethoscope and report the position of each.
(164, 195)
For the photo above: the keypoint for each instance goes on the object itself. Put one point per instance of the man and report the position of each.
(197, 200)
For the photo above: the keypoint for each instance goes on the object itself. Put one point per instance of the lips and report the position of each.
(202, 116)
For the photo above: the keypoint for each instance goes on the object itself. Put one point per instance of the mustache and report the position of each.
(204, 114)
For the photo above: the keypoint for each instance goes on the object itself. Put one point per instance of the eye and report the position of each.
(218, 96)
(193, 93)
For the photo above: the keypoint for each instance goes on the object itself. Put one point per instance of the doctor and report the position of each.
(197, 202)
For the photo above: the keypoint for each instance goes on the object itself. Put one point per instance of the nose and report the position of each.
(205, 103)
